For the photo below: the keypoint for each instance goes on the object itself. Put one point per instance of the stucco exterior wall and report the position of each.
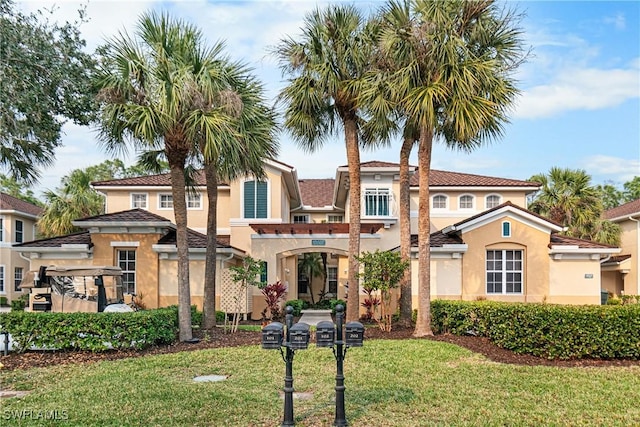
(10, 259)
(574, 281)
(523, 237)
(630, 244)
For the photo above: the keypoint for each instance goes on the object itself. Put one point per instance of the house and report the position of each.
(620, 272)
(17, 225)
(485, 244)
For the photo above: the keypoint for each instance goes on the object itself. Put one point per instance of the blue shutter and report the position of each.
(261, 200)
(249, 199)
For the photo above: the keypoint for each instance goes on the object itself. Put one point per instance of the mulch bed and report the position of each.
(217, 338)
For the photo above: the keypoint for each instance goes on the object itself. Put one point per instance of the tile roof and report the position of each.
(81, 238)
(160, 180)
(562, 240)
(10, 203)
(311, 229)
(438, 240)
(618, 258)
(439, 178)
(132, 215)
(195, 239)
(317, 192)
(626, 210)
(507, 203)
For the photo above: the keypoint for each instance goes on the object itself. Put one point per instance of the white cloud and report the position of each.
(618, 21)
(580, 89)
(616, 168)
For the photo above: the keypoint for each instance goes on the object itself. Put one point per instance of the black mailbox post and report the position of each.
(325, 334)
(354, 334)
(272, 336)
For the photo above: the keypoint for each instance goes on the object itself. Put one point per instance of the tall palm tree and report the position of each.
(567, 197)
(230, 155)
(158, 90)
(454, 83)
(325, 67)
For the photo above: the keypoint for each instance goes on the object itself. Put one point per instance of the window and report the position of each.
(440, 202)
(194, 200)
(138, 201)
(127, 262)
(303, 282)
(165, 201)
(18, 273)
(334, 218)
(376, 201)
(332, 277)
(506, 229)
(255, 199)
(263, 273)
(466, 202)
(504, 271)
(300, 219)
(492, 201)
(19, 231)
(2, 290)
(1, 229)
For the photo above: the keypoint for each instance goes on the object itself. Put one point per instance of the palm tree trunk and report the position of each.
(423, 322)
(406, 309)
(180, 213)
(353, 160)
(209, 303)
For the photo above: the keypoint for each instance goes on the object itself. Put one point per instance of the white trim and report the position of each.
(473, 202)
(138, 193)
(486, 199)
(200, 198)
(502, 229)
(159, 202)
(125, 244)
(506, 212)
(446, 203)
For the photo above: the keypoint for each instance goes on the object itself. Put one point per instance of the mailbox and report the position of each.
(354, 332)
(325, 334)
(299, 336)
(272, 336)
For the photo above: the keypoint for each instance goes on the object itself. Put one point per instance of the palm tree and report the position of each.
(159, 91)
(325, 68)
(454, 62)
(75, 199)
(312, 266)
(567, 197)
(229, 155)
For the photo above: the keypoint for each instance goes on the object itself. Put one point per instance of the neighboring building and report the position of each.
(620, 272)
(485, 244)
(17, 224)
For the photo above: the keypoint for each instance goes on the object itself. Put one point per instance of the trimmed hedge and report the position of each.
(546, 330)
(91, 331)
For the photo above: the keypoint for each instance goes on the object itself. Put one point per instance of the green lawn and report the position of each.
(389, 383)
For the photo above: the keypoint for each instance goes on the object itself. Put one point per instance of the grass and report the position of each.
(389, 383)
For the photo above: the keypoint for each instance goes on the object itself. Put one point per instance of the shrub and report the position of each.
(334, 302)
(91, 331)
(3, 301)
(546, 330)
(273, 293)
(220, 316)
(298, 305)
(20, 303)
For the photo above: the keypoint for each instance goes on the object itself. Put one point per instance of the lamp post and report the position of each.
(288, 376)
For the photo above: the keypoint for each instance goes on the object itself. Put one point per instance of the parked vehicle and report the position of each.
(74, 288)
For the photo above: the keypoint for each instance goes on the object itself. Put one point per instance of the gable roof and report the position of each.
(623, 212)
(195, 239)
(10, 203)
(124, 217)
(317, 192)
(500, 210)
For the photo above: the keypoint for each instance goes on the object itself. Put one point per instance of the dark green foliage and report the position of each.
(220, 315)
(20, 303)
(545, 330)
(44, 81)
(298, 305)
(3, 301)
(91, 331)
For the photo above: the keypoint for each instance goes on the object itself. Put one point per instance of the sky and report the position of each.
(579, 106)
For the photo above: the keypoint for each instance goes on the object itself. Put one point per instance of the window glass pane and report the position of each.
(2, 278)
(17, 278)
(440, 202)
(466, 202)
(127, 262)
(504, 271)
(19, 231)
(492, 201)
